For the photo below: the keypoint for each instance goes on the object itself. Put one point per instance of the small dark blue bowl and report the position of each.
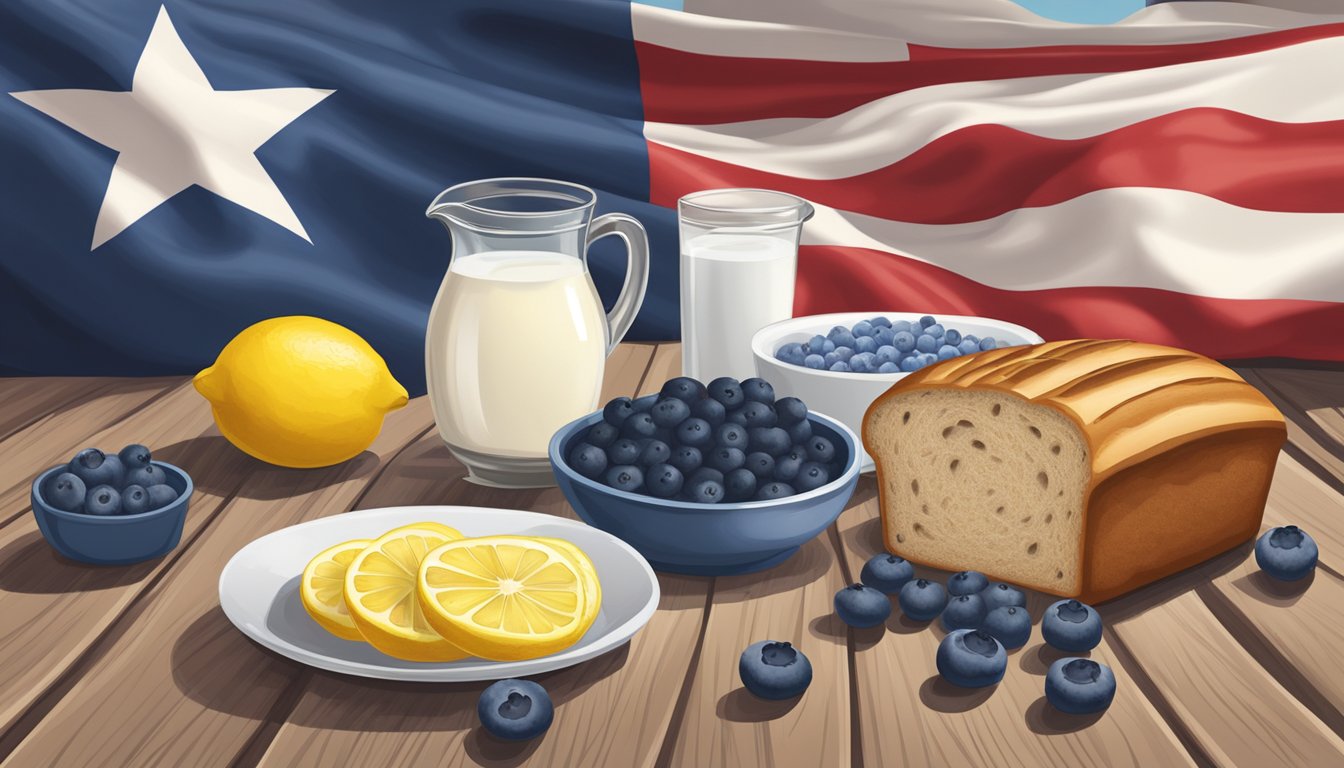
(116, 539)
(709, 539)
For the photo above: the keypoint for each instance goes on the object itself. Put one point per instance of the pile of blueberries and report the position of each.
(726, 442)
(103, 484)
(879, 345)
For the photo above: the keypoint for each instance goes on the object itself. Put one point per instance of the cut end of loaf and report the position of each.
(982, 480)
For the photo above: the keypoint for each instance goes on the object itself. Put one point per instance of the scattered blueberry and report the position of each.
(103, 500)
(811, 476)
(1071, 626)
(1079, 686)
(134, 456)
(617, 411)
(773, 490)
(725, 459)
(1287, 553)
(774, 670)
(515, 710)
(683, 388)
(998, 594)
(588, 460)
(758, 390)
(1009, 624)
(771, 440)
(654, 452)
(971, 659)
(695, 432)
(664, 481)
(65, 492)
(964, 612)
(707, 492)
(887, 573)
(602, 434)
(739, 485)
(862, 606)
(966, 583)
(639, 425)
(669, 412)
(710, 410)
(758, 414)
(134, 500)
(145, 476)
(97, 468)
(623, 451)
(923, 600)
(161, 496)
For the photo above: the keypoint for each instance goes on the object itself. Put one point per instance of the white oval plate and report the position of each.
(258, 591)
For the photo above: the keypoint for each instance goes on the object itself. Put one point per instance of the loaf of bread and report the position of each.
(1081, 468)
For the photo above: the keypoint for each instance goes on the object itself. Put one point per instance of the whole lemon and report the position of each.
(300, 392)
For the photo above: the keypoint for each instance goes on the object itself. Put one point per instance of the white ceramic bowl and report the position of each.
(846, 396)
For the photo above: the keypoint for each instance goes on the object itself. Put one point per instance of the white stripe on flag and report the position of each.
(750, 39)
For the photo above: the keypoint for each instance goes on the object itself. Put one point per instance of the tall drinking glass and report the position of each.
(739, 255)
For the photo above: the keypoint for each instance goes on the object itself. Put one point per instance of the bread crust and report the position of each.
(1182, 449)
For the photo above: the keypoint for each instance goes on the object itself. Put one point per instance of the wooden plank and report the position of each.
(173, 683)
(666, 365)
(626, 367)
(908, 716)
(401, 723)
(55, 437)
(25, 400)
(55, 607)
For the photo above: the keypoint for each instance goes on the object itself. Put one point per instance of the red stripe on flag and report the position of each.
(691, 88)
(837, 279)
(984, 171)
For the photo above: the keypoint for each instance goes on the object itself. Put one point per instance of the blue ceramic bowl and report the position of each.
(709, 539)
(116, 539)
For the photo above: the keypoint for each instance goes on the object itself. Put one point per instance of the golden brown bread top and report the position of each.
(1132, 400)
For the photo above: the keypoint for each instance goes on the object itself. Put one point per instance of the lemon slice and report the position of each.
(380, 594)
(592, 587)
(505, 598)
(322, 588)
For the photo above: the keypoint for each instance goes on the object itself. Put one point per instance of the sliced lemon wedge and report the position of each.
(381, 595)
(505, 598)
(322, 588)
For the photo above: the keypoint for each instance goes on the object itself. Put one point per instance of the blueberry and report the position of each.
(862, 363)
(952, 336)
(861, 329)
(758, 414)
(739, 485)
(760, 464)
(664, 481)
(103, 500)
(905, 325)
(817, 345)
(1079, 686)
(788, 466)
(790, 410)
(686, 458)
(1286, 553)
(926, 321)
(971, 659)
(515, 710)
(602, 434)
(725, 459)
(903, 341)
(880, 322)
(865, 344)
(758, 390)
(966, 583)
(97, 468)
(1071, 626)
(1000, 344)
(588, 460)
(886, 355)
(964, 612)
(771, 440)
(971, 337)
(988, 343)
(883, 337)
(710, 410)
(623, 451)
(862, 606)
(793, 354)
(840, 366)
(683, 388)
(830, 359)
(968, 347)
(669, 412)
(820, 449)
(841, 336)
(625, 477)
(134, 500)
(844, 354)
(707, 492)
(887, 573)
(815, 362)
(617, 411)
(947, 352)
(923, 600)
(65, 492)
(654, 452)
(889, 368)
(644, 404)
(773, 490)
(161, 496)
(1009, 624)
(927, 359)
(134, 456)
(694, 432)
(998, 595)
(926, 343)
(774, 670)
(638, 426)
(145, 476)
(811, 476)
(731, 435)
(702, 474)
(935, 330)
(800, 433)
(910, 364)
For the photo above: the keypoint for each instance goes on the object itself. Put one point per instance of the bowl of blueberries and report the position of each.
(840, 363)
(112, 508)
(710, 479)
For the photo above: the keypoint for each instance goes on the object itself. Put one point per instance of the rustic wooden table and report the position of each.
(137, 666)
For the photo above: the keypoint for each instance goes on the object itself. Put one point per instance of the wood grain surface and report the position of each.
(137, 666)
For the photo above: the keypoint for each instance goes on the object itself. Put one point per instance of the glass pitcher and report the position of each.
(517, 339)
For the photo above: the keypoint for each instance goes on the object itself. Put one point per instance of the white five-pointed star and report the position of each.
(173, 130)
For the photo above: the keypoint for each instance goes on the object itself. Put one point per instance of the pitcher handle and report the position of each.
(628, 228)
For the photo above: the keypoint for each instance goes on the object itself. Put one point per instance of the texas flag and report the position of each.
(173, 172)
